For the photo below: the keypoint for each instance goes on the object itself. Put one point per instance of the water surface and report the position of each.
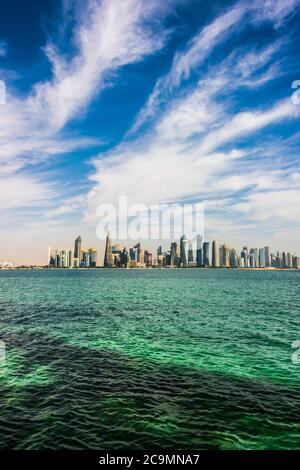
(189, 359)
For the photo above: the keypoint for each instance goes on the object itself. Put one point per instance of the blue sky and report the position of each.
(171, 101)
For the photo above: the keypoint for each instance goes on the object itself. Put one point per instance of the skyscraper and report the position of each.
(70, 255)
(284, 260)
(267, 257)
(233, 258)
(215, 254)
(262, 258)
(245, 257)
(206, 260)
(184, 251)
(225, 256)
(191, 254)
(148, 259)
(93, 257)
(254, 252)
(77, 249)
(173, 254)
(108, 256)
(159, 251)
(199, 252)
(124, 258)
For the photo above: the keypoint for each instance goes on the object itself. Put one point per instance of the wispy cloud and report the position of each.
(109, 35)
(112, 34)
(215, 33)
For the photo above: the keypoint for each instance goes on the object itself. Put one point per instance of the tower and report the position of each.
(206, 260)
(108, 257)
(77, 248)
(184, 251)
(215, 254)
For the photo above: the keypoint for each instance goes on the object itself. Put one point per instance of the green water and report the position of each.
(189, 359)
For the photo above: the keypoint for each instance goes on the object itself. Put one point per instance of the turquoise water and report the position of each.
(189, 359)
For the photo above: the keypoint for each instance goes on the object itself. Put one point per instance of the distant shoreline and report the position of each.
(46, 268)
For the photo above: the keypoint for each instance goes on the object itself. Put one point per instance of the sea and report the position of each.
(187, 359)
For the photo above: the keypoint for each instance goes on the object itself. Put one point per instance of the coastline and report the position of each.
(46, 268)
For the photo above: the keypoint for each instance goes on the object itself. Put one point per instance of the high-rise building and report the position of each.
(267, 257)
(173, 254)
(148, 259)
(273, 260)
(245, 257)
(159, 251)
(140, 255)
(251, 260)
(51, 258)
(262, 258)
(63, 259)
(254, 252)
(184, 251)
(108, 256)
(215, 254)
(296, 262)
(199, 251)
(225, 256)
(191, 254)
(93, 257)
(279, 260)
(77, 249)
(206, 260)
(167, 258)
(284, 260)
(124, 258)
(233, 258)
(70, 255)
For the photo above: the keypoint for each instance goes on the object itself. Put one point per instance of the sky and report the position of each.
(165, 102)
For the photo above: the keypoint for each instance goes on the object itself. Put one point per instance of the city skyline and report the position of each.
(180, 101)
(198, 253)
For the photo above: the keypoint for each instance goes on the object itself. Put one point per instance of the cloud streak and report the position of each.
(109, 35)
(201, 45)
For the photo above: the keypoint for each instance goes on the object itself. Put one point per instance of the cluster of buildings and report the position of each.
(197, 254)
(6, 265)
(185, 254)
(72, 258)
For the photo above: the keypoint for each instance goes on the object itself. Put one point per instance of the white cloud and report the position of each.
(109, 35)
(23, 191)
(215, 33)
(163, 170)
(277, 207)
(245, 123)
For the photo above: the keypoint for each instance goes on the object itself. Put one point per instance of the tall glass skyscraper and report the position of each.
(184, 251)
(108, 256)
(199, 252)
(77, 248)
(215, 254)
(267, 257)
(206, 260)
